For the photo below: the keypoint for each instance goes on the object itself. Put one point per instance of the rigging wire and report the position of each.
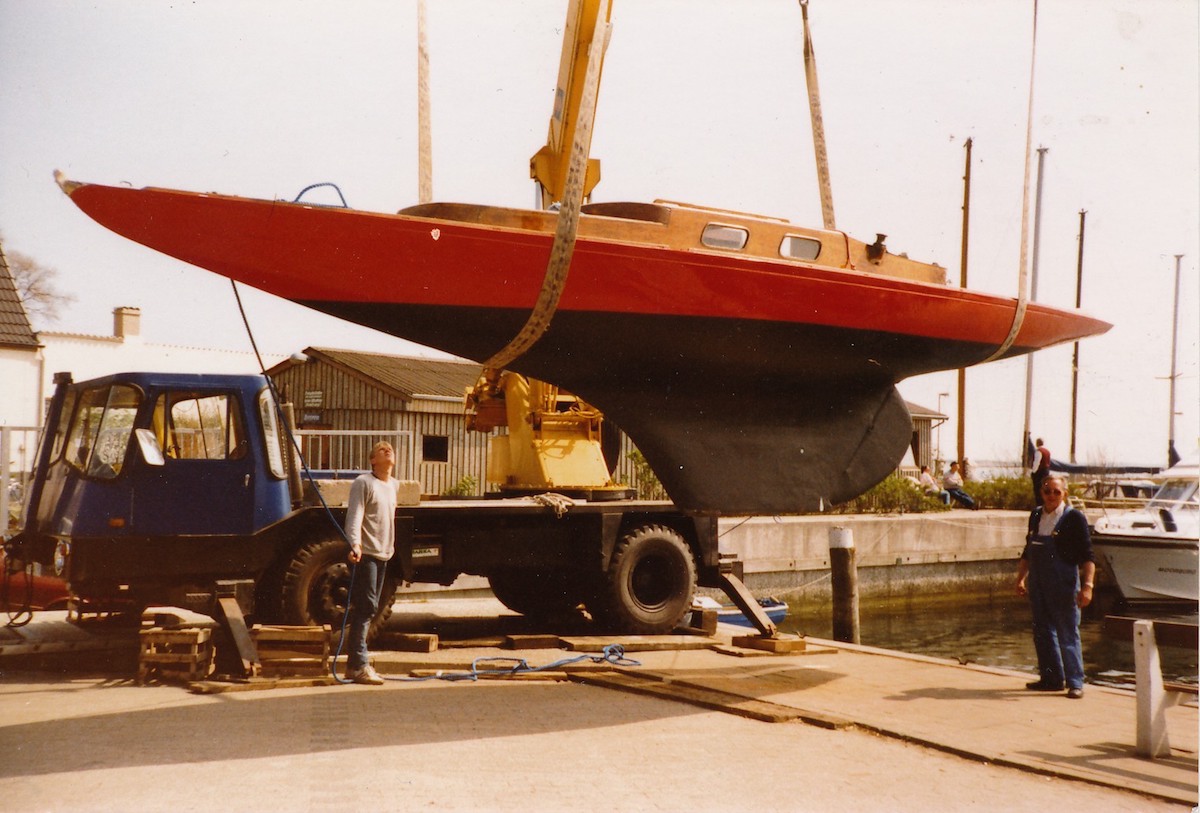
(307, 473)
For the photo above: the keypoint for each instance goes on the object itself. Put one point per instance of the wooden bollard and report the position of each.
(844, 583)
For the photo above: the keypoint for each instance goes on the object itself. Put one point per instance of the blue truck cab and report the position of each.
(148, 479)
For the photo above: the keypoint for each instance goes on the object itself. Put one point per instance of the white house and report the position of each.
(125, 350)
(20, 357)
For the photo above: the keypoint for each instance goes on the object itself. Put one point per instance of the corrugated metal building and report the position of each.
(416, 403)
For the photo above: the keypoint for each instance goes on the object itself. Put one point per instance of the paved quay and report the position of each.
(860, 729)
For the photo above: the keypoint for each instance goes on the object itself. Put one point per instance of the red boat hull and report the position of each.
(703, 358)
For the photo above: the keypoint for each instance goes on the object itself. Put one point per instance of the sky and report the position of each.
(701, 101)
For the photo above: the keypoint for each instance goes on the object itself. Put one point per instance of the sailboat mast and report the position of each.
(818, 124)
(1033, 281)
(424, 139)
(962, 371)
(1172, 455)
(1075, 354)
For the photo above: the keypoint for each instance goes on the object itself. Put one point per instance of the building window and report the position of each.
(435, 449)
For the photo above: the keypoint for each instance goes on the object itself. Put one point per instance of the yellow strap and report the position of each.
(568, 217)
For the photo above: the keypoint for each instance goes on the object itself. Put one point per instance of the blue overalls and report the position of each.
(1052, 585)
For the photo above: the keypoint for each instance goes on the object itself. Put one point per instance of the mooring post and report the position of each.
(1152, 739)
(844, 582)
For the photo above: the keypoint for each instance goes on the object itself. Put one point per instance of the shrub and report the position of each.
(895, 495)
(1012, 493)
(648, 485)
(465, 487)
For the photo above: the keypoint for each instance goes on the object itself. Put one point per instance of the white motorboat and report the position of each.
(1153, 551)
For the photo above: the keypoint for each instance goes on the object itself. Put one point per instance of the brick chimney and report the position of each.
(127, 323)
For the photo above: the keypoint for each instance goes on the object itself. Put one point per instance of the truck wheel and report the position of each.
(316, 588)
(649, 584)
(538, 595)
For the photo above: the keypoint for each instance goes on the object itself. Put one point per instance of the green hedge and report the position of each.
(895, 495)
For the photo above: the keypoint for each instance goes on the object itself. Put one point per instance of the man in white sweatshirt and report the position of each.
(371, 532)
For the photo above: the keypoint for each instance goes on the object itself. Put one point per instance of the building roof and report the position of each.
(918, 411)
(15, 330)
(406, 376)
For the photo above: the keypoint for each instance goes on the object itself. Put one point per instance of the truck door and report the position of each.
(206, 483)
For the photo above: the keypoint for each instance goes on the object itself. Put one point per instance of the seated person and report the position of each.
(953, 483)
(930, 486)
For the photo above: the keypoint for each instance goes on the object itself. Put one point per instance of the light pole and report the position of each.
(1172, 455)
(938, 452)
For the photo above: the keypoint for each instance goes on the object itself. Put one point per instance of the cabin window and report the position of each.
(732, 238)
(435, 448)
(100, 429)
(796, 247)
(199, 426)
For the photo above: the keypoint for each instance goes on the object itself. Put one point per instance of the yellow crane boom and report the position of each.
(586, 20)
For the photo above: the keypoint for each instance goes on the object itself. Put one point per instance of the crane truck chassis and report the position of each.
(174, 489)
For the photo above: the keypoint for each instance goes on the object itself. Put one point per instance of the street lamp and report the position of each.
(938, 454)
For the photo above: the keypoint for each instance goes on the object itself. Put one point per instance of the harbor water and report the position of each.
(988, 631)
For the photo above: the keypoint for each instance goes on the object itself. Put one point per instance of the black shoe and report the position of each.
(1074, 694)
(1043, 686)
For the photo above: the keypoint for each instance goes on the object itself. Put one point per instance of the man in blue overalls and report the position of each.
(1057, 571)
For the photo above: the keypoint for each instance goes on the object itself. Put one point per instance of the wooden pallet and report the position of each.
(174, 654)
(286, 650)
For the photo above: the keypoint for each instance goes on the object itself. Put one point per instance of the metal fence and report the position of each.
(18, 448)
(343, 451)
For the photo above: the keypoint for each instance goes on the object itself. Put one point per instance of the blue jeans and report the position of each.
(961, 497)
(369, 574)
(1053, 584)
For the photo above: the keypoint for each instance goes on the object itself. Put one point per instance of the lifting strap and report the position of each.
(568, 214)
(1023, 273)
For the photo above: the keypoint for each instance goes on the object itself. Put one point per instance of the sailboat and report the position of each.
(752, 361)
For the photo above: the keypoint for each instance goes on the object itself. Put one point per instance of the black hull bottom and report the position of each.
(734, 417)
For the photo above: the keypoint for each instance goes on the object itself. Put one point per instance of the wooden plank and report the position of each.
(276, 655)
(258, 684)
(184, 636)
(704, 697)
(637, 643)
(532, 642)
(776, 644)
(278, 633)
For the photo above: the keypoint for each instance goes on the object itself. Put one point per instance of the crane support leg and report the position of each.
(745, 601)
(228, 598)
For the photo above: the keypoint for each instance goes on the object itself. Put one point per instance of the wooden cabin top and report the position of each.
(687, 227)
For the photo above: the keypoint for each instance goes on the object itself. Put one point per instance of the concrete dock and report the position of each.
(690, 728)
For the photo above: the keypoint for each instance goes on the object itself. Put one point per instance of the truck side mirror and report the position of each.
(149, 446)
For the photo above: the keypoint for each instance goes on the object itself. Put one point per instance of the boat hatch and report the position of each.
(718, 235)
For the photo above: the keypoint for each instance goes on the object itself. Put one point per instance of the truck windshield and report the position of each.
(98, 438)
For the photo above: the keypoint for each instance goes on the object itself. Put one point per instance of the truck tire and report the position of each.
(649, 583)
(537, 595)
(316, 587)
